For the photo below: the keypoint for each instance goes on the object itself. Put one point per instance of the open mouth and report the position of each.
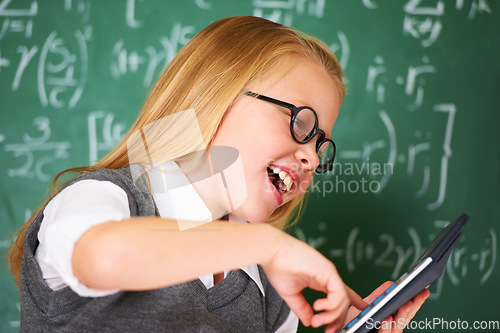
(281, 179)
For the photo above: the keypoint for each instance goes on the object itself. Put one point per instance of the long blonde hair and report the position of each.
(207, 75)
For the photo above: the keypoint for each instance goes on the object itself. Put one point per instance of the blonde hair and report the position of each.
(207, 75)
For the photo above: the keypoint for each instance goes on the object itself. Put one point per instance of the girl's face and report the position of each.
(260, 131)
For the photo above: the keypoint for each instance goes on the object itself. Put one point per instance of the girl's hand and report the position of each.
(296, 266)
(396, 323)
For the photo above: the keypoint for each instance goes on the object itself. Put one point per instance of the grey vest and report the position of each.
(233, 305)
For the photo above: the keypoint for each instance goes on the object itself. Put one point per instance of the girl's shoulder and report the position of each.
(132, 180)
(134, 173)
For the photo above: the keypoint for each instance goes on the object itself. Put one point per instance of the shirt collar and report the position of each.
(177, 199)
(174, 195)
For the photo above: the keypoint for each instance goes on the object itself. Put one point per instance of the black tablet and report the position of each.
(424, 272)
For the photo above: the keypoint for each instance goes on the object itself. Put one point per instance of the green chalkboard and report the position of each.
(417, 136)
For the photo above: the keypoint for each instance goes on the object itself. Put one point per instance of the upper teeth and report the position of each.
(285, 177)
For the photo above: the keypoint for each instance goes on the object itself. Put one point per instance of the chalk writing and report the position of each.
(203, 4)
(47, 151)
(371, 151)
(283, 11)
(106, 138)
(387, 251)
(341, 49)
(82, 8)
(4, 62)
(26, 56)
(373, 81)
(476, 7)
(365, 154)
(62, 66)
(378, 77)
(62, 72)
(443, 176)
(423, 22)
(151, 59)
(369, 4)
(415, 83)
(315, 242)
(463, 257)
(130, 15)
(382, 252)
(7, 10)
(16, 323)
(18, 20)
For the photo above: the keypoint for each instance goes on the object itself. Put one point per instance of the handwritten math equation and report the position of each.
(60, 65)
(423, 19)
(423, 22)
(387, 251)
(129, 60)
(60, 62)
(37, 149)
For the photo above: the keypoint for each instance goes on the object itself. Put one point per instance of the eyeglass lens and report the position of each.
(325, 152)
(304, 124)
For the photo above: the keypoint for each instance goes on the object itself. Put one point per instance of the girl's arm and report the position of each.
(147, 253)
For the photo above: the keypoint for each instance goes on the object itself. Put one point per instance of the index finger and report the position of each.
(356, 300)
(379, 291)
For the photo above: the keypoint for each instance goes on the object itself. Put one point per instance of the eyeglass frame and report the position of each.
(322, 168)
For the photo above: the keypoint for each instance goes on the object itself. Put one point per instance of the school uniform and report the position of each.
(53, 300)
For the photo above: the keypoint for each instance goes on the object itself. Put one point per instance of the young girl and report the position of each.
(113, 249)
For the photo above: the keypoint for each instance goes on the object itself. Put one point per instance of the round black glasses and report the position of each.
(304, 127)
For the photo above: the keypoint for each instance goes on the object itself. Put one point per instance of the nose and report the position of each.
(307, 156)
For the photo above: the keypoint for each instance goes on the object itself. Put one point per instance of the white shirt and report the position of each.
(87, 203)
